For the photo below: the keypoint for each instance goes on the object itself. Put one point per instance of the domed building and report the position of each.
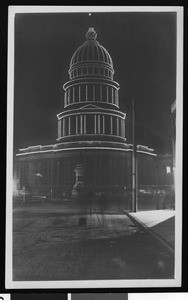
(91, 151)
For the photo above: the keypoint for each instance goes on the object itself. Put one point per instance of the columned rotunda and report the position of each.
(91, 97)
(91, 134)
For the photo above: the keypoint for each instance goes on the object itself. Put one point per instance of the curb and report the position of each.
(156, 236)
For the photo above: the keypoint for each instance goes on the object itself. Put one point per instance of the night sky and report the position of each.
(143, 50)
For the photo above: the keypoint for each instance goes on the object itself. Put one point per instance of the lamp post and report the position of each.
(39, 175)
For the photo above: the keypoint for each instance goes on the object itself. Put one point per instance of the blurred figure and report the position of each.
(161, 195)
(103, 206)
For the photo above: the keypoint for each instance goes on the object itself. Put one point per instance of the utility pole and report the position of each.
(134, 165)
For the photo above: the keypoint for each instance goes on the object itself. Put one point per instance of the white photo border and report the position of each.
(10, 284)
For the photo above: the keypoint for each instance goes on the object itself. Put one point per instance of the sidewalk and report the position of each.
(160, 222)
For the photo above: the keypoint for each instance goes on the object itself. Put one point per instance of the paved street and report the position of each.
(50, 244)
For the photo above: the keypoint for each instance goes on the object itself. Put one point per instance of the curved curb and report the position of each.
(156, 236)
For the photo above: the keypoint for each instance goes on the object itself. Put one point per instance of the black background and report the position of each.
(3, 85)
(36, 296)
(108, 296)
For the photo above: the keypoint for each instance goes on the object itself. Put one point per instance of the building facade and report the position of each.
(91, 135)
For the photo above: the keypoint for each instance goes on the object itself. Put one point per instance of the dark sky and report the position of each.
(143, 50)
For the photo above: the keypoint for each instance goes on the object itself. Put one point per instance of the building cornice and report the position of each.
(103, 111)
(91, 80)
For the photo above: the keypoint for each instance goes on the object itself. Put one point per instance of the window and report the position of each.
(112, 95)
(73, 125)
(90, 70)
(70, 95)
(65, 124)
(90, 92)
(68, 99)
(90, 123)
(96, 70)
(97, 92)
(84, 70)
(107, 125)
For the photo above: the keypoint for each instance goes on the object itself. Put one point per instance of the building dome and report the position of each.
(91, 98)
(91, 53)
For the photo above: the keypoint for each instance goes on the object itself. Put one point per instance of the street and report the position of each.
(49, 243)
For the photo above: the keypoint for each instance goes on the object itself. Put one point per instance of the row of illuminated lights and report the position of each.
(84, 71)
(91, 92)
(55, 148)
(85, 148)
(91, 124)
(128, 146)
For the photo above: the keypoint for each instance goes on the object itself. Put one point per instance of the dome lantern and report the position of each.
(91, 34)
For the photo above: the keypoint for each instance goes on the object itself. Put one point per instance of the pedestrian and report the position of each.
(163, 199)
(158, 198)
(161, 196)
(91, 195)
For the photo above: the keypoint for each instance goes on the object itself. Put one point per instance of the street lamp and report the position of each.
(39, 175)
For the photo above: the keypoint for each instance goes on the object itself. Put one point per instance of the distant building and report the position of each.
(165, 170)
(91, 133)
